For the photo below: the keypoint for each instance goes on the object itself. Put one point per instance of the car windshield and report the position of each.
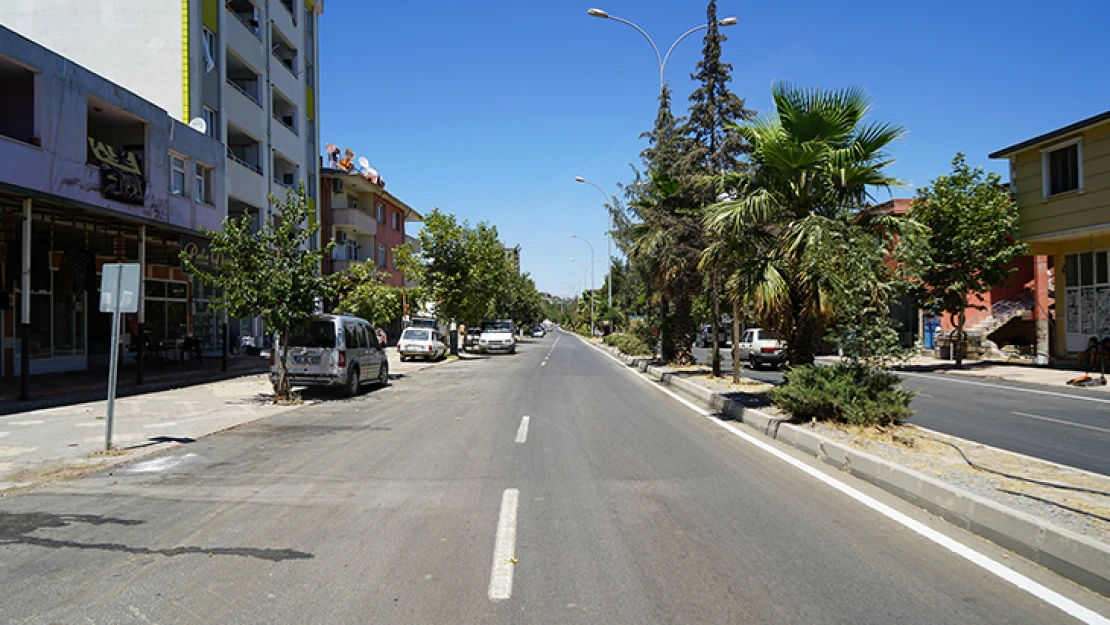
(768, 335)
(497, 326)
(319, 333)
(415, 335)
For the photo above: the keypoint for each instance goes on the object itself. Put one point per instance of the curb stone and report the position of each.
(1071, 555)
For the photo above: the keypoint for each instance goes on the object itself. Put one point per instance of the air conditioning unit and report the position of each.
(337, 185)
(340, 237)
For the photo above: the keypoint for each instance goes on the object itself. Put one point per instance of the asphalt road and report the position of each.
(434, 501)
(1062, 425)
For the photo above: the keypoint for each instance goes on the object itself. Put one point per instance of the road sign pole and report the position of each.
(113, 359)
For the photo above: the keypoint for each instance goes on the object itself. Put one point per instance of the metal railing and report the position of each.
(255, 29)
(244, 92)
(255, 168)
(282, 122)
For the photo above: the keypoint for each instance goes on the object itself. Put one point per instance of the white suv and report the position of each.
(759, 347)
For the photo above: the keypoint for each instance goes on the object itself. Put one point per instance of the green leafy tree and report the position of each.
(361, 291)
(973, 225)
(813, 162)
(273, 273)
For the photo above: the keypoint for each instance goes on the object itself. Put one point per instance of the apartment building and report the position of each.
(91, 173)
(246, 69)
(365, 221)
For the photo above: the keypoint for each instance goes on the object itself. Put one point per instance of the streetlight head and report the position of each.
(573, 236)
(579, 179)
(598, 13)
(728, 21)
(572, 258)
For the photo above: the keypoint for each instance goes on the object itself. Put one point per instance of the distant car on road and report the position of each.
(498, 336)
(538, 332)
(760, 347)
(423, 343)
(704, 337)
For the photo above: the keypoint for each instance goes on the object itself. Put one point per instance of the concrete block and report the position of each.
(1078, 558)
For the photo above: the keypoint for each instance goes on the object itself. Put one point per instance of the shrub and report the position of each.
(847, 393)
(629, 344)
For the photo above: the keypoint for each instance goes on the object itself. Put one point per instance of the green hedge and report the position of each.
(629, 344)
(845, 393)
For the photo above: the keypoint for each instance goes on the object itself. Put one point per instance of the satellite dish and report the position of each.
(198, 124)
(363, 162)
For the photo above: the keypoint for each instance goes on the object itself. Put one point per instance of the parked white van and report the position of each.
(334, 350)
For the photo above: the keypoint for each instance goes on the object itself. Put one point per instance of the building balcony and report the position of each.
(246, 182)
(288, 144)
(244, 111)
(354, 219)
(245, 40)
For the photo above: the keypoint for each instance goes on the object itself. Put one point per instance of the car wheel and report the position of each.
(383, 375)
(353, 383)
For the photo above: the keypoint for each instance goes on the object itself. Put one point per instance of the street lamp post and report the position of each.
(608, 237)
(575, 236)
(662, 60)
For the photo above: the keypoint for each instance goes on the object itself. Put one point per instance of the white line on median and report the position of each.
(501, 577)
(949, 378)
(996, 568)
(522, 433)
(1060, 421)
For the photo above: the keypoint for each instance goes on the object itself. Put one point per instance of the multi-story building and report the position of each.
(1061, 183)
(247, 68)
(91, 173)
(365, 221)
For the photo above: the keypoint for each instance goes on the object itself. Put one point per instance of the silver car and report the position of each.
(334, 350)
(760, 347)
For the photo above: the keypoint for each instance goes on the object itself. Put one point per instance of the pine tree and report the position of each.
(713, 146)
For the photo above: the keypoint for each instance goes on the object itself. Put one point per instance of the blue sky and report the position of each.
(488, 110)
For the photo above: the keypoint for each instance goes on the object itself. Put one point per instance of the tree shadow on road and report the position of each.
(16, 529)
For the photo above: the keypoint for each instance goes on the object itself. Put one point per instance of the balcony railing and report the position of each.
(282, 122)
(253, 29)
(255, 168)
(244, 92)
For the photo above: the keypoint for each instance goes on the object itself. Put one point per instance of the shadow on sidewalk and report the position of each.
(50, 390)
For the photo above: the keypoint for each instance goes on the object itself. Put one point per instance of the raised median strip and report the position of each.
(1079, 558)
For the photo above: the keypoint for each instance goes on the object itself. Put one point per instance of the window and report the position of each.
(17, 83)
(210, 48)
(381, 214)
(210, 122)
(396, 221)
(381, 255)
(203, 190)
(177, 175)
(1062, 169)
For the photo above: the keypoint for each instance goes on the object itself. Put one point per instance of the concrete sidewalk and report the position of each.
(47, 444)
(1010, 372)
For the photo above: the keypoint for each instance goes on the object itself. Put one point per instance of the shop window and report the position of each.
(177, 175)
(17, 107)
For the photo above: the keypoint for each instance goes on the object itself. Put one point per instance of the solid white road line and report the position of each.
(950, 378)
(522, 432)
(1060, 421)
(1017, 579)
(501, 577)
(1012, 453)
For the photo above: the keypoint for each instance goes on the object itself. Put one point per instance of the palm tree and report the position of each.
(813, 162)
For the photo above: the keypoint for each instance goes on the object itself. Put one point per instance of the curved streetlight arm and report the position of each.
(663, 63)
(655, 48)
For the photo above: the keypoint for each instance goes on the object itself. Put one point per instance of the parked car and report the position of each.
(760, 347)
(423, 343)
(538, 332)
(498, 336)
(470, 341)
(704, 336)
(334, 350)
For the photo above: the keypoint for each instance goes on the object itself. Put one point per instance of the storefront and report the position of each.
(1086, 297)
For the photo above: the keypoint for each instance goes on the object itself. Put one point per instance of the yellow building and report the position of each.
(1061, 183)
